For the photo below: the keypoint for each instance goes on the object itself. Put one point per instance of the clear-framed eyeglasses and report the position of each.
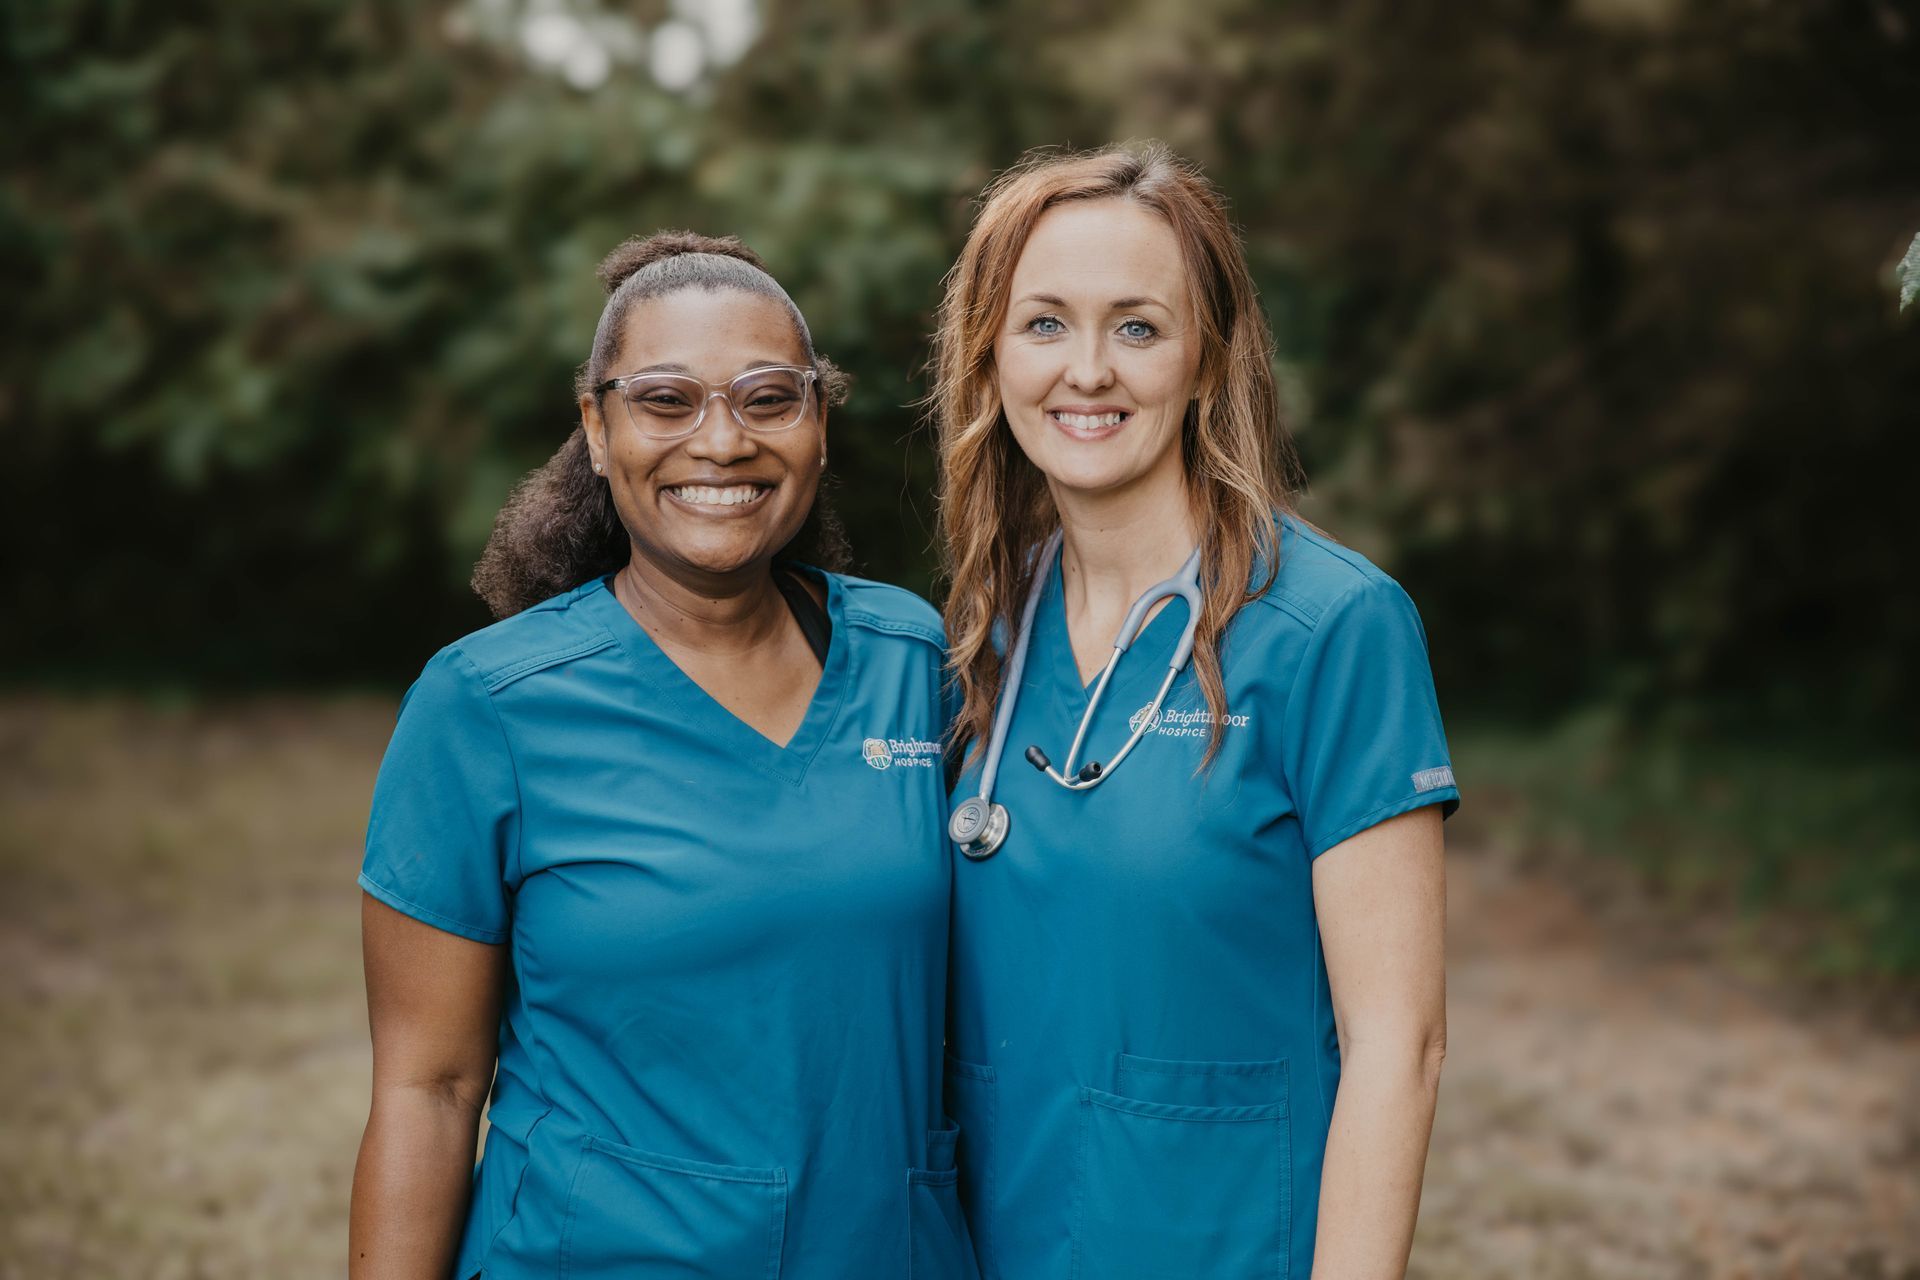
(669, 406)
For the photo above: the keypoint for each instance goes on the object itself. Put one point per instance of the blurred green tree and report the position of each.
(1577, 301)
(1582, 303)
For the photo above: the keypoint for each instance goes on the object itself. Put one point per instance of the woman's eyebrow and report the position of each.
(1118, 304)
(671, 366)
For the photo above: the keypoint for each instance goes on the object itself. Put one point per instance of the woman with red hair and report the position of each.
(1197, 1008)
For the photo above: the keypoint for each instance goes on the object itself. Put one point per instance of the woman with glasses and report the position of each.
(1197, 1005)
(658, 859)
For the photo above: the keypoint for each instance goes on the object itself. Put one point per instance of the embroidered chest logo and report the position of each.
(906, 753)
(1183, 724)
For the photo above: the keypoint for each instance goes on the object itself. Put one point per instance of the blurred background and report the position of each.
(1589, 325)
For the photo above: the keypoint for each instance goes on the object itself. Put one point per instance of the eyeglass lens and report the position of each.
(667, 404)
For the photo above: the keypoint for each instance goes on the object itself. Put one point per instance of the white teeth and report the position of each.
(709, 496)
(1088, 421)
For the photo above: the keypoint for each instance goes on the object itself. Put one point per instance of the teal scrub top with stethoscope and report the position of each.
(1141, 1049)
(720, 1051)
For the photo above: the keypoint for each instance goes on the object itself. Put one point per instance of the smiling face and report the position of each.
(1098, 353)
(723, 499)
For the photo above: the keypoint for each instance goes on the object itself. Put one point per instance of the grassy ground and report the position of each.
(1799, 859)
(184, 1072)
(1613, 1110)
(186, 1062)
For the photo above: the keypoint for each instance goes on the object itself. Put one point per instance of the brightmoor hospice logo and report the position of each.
(1182, 724)
(908, 753)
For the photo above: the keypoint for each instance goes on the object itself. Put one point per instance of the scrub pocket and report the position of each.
(938, 1246)
(637, 1213)
(497, 1181)
(1186, 1170)
(970, 1101)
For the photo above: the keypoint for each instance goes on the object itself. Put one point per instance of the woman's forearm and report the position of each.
(410, 1185)
(1376, 1154)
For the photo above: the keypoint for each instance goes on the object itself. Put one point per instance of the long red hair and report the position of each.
(995, 509)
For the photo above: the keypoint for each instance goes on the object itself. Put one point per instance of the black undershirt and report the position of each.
(815, 625)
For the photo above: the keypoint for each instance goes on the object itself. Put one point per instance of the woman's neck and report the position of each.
(707, 613)
(1115, 545)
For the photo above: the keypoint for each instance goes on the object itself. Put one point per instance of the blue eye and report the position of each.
(1137, 330)
(1045, 326)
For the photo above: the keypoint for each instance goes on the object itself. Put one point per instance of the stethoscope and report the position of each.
(979, 825)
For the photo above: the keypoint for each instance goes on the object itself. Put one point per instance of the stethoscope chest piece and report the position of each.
(978, 827)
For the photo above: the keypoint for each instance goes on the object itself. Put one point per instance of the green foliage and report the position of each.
(1907, 274)
(1597, 357)
(1579, 299)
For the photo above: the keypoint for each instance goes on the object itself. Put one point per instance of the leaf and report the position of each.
(1908, 274)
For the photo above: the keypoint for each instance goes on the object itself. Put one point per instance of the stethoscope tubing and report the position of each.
(979, 825)
(1016, 669)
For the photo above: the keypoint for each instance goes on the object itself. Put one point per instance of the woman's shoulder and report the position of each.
(538, 637)
(890, 610)
(1319, 579)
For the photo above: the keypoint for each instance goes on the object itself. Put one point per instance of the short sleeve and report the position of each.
(445, 822)
(1362, 737)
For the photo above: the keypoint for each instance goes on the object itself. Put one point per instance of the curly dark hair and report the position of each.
(559, 527)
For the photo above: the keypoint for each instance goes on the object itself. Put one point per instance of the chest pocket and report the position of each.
(1186, 1168)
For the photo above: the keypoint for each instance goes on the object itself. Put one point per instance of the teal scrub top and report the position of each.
(720, 1051)
(1141, 1047)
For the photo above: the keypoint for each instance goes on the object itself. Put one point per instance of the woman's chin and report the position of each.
(1094, 468)
(1090, 479)
(724, 553)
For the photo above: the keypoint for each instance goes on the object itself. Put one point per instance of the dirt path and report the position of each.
(1606, 1114)
(183, 1079)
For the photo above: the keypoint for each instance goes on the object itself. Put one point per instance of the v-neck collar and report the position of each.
(1071, 691)
(662, 675)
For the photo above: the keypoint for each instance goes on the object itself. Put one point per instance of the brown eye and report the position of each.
(771, 401)
(774, 395)
(660, 400)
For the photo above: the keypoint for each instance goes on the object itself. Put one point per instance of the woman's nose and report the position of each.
(720, 437)
(1088, 367)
